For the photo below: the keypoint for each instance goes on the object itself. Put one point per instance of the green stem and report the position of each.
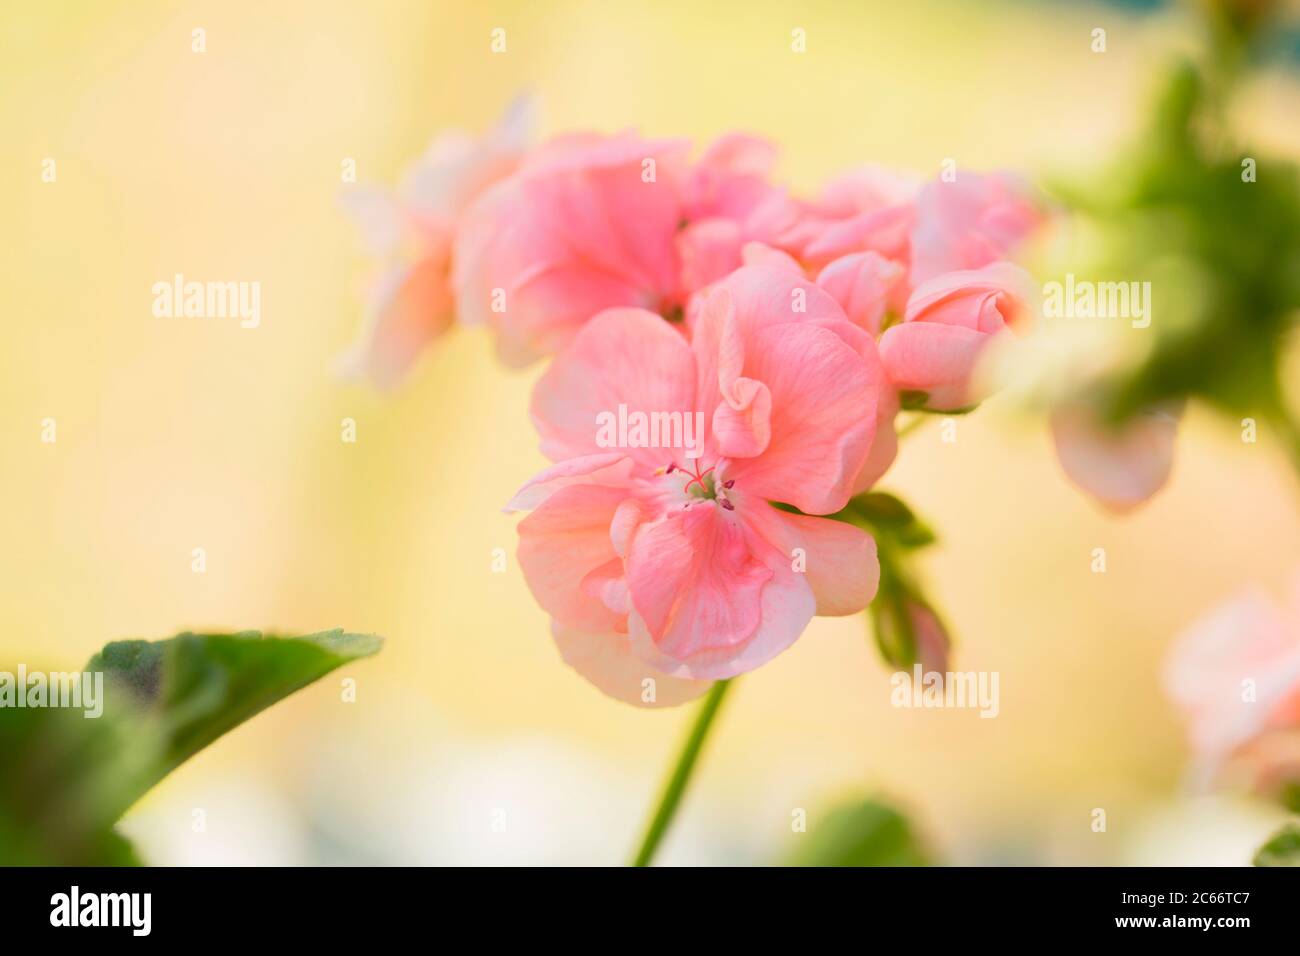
(1290, 433)
(918, 419)
(681, 775)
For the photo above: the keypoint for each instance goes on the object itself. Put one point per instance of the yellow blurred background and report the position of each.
(470, 740)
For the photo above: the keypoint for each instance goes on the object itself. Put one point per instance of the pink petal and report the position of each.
(760, 254)
(987, 300)
(823, 416)
(883, 231)
(378, 215)
(1248, 638)
(608, 662)
(932, 358)
(694, 581)
(862, 283)
(561, 544)
(610, 469)
(884, 445)
(742, 423)
(410, 308)
(839, 559)
(621, 357)
(803, 436)
(970, 222)
(1120, 467)
(711, 599)
(709, 250)
(576, 231)
(457, 166)
(730, 179)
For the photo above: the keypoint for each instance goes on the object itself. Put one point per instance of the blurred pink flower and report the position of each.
(864, 210)
(948, 323)
(1235, 674)
(590, 223)
(723, 207)
(411, 231)
(970, 222)
(654, 564)
(1121, 467)
(872, 235)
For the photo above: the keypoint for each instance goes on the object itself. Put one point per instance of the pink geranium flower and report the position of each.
(948, 323)
(970, 222)
(1235, 675)
(591, 223)
(853, 238)
(656, 565)
(724, 205)
(411, 230)
(868, 209)
(871, 236)
(859, 293)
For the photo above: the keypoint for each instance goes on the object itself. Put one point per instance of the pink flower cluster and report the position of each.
(794, 327)
(1235, 674)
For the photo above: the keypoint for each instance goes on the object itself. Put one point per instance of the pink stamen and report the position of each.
(696, 477)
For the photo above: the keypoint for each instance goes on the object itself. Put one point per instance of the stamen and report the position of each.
(697, 477)
(727, 504)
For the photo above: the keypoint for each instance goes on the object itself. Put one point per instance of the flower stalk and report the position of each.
(681, 775)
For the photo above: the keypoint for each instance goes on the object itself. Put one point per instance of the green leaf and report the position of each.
(1283, 849)
(69, 777)
(193, 688)
(863, 833)
(886, 514)
(1289, 796)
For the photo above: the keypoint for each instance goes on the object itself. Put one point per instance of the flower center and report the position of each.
(702, 484)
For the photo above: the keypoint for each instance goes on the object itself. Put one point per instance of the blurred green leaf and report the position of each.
(866, 833)
(1213, 223)
(1282, 850)
(887, 517)
(1289, 795)
(69, 777)
(886, 514)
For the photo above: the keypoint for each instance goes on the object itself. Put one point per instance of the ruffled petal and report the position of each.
(710, 598)
(823, 417)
